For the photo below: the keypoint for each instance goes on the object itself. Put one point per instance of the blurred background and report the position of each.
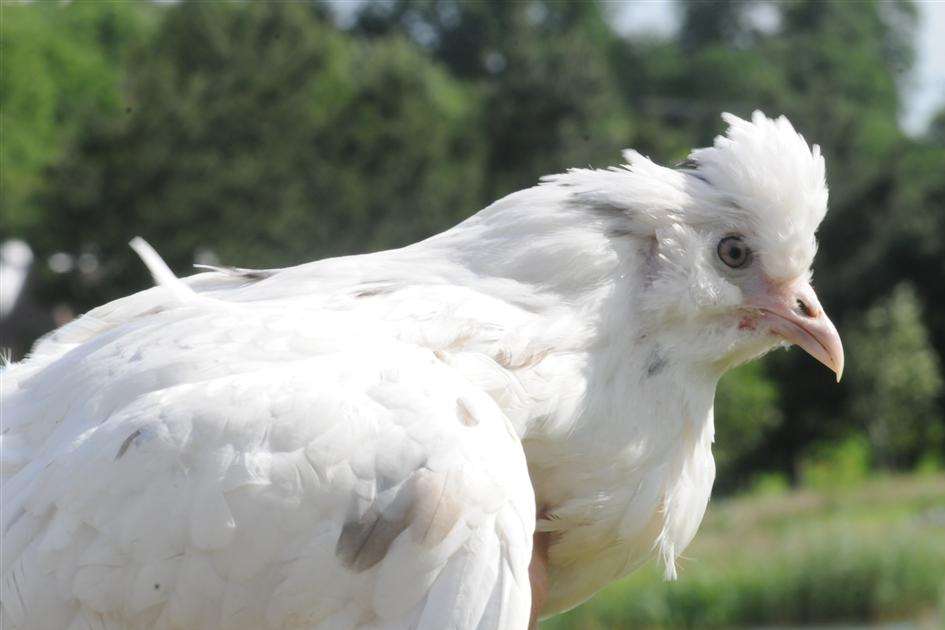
(269, 134)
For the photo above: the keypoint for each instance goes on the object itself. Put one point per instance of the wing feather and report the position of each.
(189, 467)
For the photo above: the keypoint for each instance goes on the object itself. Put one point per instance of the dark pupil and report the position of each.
(735, 252)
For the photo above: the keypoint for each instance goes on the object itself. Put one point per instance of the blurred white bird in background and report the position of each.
(16, 258)
(373, 441)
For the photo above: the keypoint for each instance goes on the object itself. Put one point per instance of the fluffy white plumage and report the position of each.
(364, 441)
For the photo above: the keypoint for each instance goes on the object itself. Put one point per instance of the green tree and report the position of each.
(713, 23)
(912, 245)
(261, 133)
(59, 64)
(936, 132)
(896, 380)
(543, 69)
(746, 412)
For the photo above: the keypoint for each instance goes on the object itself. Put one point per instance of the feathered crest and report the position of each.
(761, 177)
(775, 181)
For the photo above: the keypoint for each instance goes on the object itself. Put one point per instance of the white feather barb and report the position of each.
(162, 274)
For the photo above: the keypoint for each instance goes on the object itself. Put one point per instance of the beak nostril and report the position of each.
(804, 309)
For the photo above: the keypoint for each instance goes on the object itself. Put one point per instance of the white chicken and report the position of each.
(373, 441)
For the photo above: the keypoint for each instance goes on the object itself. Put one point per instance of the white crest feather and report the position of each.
(776, 181)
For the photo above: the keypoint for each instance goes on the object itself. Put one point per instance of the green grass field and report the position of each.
(869, 554)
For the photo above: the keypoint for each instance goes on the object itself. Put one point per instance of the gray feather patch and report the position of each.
(364, 542)
(656, 362)
(426, 504)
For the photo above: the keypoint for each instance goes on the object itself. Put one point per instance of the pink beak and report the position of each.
(794, 313)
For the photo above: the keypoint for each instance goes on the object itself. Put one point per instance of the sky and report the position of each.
(928, 94)
(924, 95)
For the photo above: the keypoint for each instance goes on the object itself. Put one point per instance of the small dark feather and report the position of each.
(691, 167)
(127, 443)
(656, 363)
(619, 232)
(364, 542)
(239, 272)
(254, 274)
(363, 293)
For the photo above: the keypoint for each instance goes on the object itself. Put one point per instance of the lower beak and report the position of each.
(794, 313)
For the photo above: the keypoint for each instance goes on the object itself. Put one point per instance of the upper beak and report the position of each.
(794, 313)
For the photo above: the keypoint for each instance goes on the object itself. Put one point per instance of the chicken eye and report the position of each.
(733, 251)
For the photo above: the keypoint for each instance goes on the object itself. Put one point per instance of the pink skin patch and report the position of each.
(748, 323)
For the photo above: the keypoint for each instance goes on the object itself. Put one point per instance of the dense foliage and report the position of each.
(265, 134)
